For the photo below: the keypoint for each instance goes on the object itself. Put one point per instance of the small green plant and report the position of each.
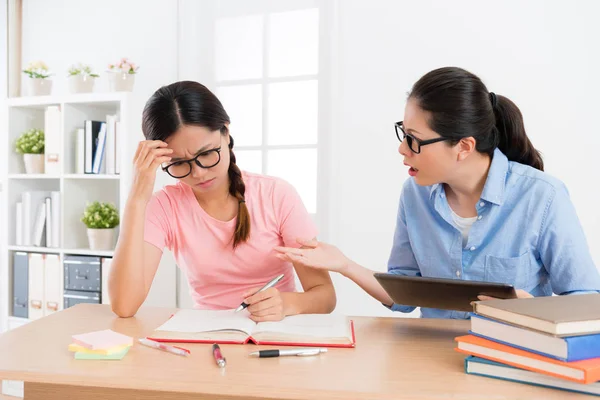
(82, 69)
(99, 215)
(30, 142)
(37, 69)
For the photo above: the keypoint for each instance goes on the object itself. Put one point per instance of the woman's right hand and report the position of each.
(315, 254)
(149, 155)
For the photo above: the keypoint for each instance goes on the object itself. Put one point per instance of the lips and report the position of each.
(410, 166)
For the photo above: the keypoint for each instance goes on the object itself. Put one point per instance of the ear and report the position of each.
(465, 147)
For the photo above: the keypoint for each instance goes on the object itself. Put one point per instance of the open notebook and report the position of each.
(204, 326)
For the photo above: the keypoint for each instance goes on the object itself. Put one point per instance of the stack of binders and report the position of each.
(549, 341)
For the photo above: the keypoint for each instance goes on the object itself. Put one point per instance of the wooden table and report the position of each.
(394, 359)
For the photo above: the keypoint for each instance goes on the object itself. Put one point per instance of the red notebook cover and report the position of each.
(250, 339)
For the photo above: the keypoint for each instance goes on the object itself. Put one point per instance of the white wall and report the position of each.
(541, 54)
(64, 32)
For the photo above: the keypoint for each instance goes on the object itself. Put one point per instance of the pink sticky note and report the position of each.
(102, 339)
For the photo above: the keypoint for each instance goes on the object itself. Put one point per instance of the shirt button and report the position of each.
(472, 248)
(481, 204)
(479, 217)
(457, 273)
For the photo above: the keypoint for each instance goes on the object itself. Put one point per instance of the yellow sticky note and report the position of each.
(112, 350)
(116, 356)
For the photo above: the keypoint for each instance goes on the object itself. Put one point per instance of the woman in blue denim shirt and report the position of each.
(478, 205)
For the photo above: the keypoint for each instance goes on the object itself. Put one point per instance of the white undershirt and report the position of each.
(464, 225)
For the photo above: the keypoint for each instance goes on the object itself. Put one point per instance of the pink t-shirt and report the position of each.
(202, 245)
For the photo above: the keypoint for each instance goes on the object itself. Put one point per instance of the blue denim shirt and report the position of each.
(527, 234)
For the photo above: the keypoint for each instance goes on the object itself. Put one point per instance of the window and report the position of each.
(267, 69)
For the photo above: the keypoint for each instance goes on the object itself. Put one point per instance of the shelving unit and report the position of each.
(76, 190)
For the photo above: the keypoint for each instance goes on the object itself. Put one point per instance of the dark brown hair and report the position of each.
(190, 103)
(461, 106)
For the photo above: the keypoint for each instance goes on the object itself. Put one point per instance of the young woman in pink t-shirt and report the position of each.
(221, 223)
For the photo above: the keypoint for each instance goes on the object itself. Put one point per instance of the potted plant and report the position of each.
(122, 75)
(39, 84)
(81, 78)
(100, 219)
(31, 145)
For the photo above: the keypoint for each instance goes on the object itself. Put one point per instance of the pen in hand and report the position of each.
(269, 285)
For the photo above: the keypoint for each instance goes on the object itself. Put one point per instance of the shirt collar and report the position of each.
(493, 190)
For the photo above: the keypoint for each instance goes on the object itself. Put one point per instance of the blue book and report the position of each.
(572, 348)
(492, 369)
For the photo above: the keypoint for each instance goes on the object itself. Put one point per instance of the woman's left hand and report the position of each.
(265, 306)
(521, 294)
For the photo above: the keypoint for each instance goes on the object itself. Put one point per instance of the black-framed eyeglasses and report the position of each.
(182, 168)
(413, 143)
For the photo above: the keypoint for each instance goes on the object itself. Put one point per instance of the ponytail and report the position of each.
(513, 140)
(237, 188)
(460, 106)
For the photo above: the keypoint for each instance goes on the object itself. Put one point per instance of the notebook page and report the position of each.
(192, 321)
(314, 325)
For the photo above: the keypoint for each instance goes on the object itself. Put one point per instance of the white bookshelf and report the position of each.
(76, 190)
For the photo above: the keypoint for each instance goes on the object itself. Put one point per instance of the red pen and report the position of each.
(219, 359)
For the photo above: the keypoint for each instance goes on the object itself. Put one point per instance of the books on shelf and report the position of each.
(227, 326)
(97, 149)
(37, 219)
(551, 341)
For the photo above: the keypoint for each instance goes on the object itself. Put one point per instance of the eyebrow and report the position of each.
(412, 131)
(202, 149)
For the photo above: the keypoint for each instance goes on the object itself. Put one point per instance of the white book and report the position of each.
(19, 224)
(99, 154)
(227, 325)
(89, 147)
(36, 285)
(55, 203)
(118, 135)
(52, 134)
(53, 284)
(106, 264)
(40, 222)
(26, 218)
(48, 208)
(110, 154)
(80, 151)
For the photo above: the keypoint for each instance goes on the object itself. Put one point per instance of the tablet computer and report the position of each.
(447, 294)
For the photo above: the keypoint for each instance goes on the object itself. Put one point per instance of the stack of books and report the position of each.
(100, 345)
(547, 341)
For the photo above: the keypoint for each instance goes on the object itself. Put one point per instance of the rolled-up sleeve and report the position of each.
(402, 259)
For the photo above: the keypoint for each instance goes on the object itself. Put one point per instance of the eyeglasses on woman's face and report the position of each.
(182, 168)
(413, 143)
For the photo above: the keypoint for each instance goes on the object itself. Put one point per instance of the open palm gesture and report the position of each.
(315, 254)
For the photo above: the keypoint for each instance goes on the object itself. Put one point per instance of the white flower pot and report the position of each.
(101, 239)
(121, 82)
(81, 83)
(34, 163)
(40, 87)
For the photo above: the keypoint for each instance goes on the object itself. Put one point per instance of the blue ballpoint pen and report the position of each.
(267, 286)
